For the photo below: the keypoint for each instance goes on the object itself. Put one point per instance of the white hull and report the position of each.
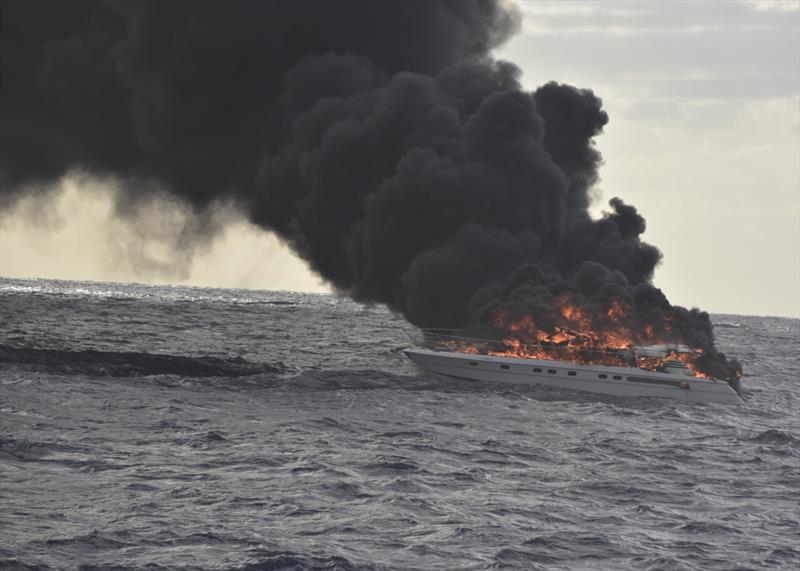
(600, 379)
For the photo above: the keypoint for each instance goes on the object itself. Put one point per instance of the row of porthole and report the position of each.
(553, 372)
(683, 384)
(573, 373)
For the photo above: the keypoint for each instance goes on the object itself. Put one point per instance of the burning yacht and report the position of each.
(647, 371)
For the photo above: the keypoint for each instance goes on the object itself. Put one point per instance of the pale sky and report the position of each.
(704, 138)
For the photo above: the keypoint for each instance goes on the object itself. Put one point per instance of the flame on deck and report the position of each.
(622, 357)
(574, 334)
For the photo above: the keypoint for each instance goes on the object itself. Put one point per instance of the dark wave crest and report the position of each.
(132, 364)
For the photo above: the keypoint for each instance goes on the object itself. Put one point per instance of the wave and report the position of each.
(776, 438)
(287, 560)
(14, 564)
(11, 448)
(92, 541)
(132, 364)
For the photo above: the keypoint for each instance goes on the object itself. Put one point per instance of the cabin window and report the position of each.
(504, 366)
(617, 377)
(650, 380)
(572, 373)
(603, 376)
(537, 370)
(551, 371)
(473, 363)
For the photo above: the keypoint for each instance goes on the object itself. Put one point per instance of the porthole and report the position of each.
(551, 371)
(603, 376)
(617, 377)
(473, 363)
(537, 370)
(572, 373)
(504, 366)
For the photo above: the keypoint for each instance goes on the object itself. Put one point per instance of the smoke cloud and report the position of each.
(380, 140)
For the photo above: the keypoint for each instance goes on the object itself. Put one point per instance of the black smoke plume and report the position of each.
(380, 140)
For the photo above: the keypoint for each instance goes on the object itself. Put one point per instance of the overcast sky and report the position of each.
(704, 138)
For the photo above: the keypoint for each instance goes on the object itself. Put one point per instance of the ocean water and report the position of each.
(187, 428)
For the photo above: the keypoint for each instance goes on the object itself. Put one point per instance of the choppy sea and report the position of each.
(147, 427)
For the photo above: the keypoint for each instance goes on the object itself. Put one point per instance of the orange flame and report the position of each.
(579, 335)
